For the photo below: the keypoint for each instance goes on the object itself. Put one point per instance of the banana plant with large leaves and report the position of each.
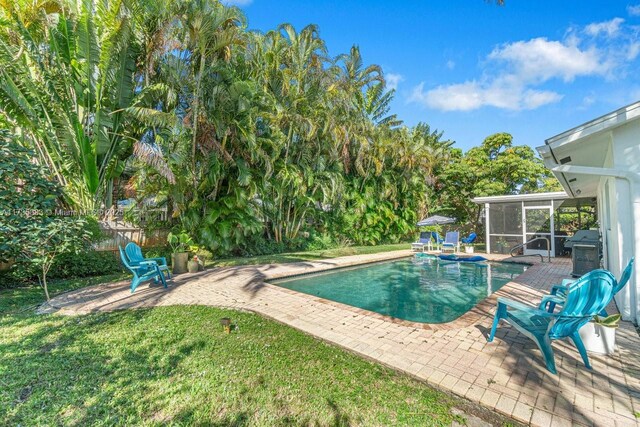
(67, 83)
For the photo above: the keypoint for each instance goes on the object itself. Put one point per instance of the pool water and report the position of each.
(419, 289)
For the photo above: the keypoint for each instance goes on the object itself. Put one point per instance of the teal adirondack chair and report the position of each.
(558, 293)
(134, 254)
(586, 297)
(142, 272)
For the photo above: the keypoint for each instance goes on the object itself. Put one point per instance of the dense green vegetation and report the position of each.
(256, 142)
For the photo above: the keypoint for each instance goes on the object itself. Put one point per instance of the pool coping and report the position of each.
(469, 318)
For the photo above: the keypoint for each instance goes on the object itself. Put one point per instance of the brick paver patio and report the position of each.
(507, 375)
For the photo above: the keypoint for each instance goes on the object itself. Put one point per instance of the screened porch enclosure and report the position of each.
(544, 220)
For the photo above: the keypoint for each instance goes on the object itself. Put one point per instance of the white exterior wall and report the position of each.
(619, 243)
(624, 206)
(602, 158)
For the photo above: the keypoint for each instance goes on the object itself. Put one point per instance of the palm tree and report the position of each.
(211, 31)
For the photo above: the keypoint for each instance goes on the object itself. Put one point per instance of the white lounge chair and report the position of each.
(424, 240)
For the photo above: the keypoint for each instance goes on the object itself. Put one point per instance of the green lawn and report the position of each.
(175, 364)
(307, 256)
(15, 300)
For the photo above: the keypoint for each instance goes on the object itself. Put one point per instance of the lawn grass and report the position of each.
(176, 365)
(26, 297)
(306, 256)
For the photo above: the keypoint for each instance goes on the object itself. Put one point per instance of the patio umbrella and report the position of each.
(436, 220)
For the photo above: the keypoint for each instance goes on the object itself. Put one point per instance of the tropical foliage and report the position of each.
(246, 137)
(30, 231)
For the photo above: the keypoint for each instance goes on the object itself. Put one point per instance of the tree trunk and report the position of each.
(44, 282)
(196, 112)
(108, 200)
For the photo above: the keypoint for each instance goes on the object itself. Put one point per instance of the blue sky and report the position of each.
(533, 68)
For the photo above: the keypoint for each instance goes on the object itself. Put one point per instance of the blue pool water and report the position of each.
(417, 289)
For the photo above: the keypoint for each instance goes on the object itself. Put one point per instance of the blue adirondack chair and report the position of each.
(142, 272)
(469, 239)
(134, 254)
(586, 297)
(558, 293)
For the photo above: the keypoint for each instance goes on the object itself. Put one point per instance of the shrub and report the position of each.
(68, 265)
(319, 242)
(90, 263)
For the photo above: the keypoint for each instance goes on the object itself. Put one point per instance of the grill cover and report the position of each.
(583, 237)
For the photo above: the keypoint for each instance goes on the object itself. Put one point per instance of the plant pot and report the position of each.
(468, 249)
(6, 265)
(193, 266)
(179, 262)
(598, 339)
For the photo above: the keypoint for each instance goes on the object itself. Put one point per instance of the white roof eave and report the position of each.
(601, 124)
(558, 195)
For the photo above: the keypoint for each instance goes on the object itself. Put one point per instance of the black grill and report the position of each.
(585, 251)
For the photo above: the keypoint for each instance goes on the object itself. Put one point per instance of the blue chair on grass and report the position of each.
(558, 294)
(134, 254)
(585, 298)
(451, 241)
(469, 239)
(143, 271)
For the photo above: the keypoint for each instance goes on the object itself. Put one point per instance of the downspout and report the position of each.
(634, 181)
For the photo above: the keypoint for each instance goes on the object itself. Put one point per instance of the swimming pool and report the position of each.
(418, 289)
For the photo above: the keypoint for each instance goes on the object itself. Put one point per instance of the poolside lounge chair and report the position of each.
(558, 294)
(469, 239)
(451, 241)
(134, 254)
(143, 271)
(424, 240)
(586, 297)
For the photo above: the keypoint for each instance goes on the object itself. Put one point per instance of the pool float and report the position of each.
(457, 258)
(423, 255)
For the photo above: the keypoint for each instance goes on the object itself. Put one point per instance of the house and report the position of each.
(601, 159)
(534, 224)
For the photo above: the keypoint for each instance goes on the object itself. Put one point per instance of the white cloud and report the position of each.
(608, 28)
(633, 10)
(587, 101)
(451, 65)
(393, 80)
(514, 74)
(540, 60)
(238, 3)
(633, 51)
(462, 97)
(502, 93)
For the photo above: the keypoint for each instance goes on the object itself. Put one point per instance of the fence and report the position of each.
(118, 232)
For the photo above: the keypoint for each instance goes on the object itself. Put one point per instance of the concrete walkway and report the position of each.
(507, 375)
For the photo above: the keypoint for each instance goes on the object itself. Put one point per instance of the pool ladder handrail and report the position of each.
(521, 245)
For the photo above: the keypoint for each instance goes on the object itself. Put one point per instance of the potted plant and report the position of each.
(599, 335)
(180, 244)
(194, 264)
